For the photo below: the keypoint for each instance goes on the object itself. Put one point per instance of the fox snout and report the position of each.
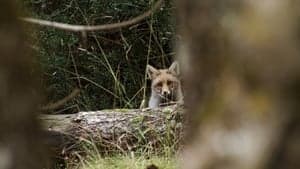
(165, 91)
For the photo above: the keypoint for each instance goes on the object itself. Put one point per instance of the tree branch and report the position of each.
(84, 28)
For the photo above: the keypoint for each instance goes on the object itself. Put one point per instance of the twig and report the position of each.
(75, 67)
(84, 28)
(61, 102)
(168, 103)
(142, 105)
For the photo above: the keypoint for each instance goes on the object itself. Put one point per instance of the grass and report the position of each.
(91, 158)
(129, 162)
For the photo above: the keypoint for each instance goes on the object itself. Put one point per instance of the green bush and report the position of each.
(108, 66)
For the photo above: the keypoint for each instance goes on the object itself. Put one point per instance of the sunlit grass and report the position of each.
(127, 162)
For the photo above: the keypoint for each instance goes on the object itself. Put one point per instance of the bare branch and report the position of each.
(83, 28)
(61, 102)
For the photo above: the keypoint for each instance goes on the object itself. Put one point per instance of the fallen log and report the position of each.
(115, 130)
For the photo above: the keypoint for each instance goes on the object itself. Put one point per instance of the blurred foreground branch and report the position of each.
(242, 77)
(20, 134)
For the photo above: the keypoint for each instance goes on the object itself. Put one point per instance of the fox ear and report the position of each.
(174, 68)
(151, 71)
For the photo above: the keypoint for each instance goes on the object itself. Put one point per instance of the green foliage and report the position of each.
(108, 66)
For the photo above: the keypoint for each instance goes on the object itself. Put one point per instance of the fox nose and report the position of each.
(165, 93)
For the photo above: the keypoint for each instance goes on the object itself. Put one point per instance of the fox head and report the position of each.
(165, 82)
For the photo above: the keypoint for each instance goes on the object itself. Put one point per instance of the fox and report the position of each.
(165, 85)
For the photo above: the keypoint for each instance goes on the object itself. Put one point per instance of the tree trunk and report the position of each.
(117, 130)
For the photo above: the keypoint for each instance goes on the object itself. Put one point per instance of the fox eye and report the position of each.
(159, 84)
(169, 82)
